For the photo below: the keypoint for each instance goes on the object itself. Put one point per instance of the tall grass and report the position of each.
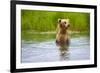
(47, 20)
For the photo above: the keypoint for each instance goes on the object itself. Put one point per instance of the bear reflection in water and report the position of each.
(62, 37)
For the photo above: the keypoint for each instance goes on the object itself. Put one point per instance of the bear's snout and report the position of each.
(63, 25)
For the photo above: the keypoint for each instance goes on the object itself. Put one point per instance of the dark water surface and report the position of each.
(47, 51)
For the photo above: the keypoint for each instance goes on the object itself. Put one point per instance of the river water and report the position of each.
(47, 51)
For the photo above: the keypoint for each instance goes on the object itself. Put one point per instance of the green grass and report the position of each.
(47, 20)
(37, 37)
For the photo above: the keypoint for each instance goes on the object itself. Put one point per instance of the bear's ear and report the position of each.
(59, 20)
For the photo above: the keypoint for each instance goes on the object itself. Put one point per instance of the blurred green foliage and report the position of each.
(47, 20)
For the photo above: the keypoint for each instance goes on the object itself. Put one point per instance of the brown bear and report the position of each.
(62, 36)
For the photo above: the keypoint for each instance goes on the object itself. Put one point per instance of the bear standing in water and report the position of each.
(62, 36)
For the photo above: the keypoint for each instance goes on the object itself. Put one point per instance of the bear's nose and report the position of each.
(63, 25)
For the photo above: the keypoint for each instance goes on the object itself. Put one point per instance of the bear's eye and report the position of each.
(64, 22)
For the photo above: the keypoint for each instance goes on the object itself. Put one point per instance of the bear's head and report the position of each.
(63, 23)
